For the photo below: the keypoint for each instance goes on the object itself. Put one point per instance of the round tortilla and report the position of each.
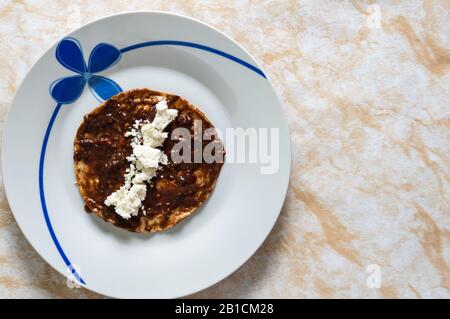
(101, 148)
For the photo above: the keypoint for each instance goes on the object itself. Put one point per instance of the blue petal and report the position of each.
(104, 88)
(70, 55)
(67, 90)
(102, 57)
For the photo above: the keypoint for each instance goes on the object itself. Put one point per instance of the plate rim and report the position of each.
(204, 24)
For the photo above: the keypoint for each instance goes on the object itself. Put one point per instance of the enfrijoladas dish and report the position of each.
(124, 160)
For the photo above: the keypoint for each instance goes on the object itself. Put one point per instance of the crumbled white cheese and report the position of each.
(127, 201)
(147, 156)
(152, 136)
(145, 174)
(144, 161)
(164, 115)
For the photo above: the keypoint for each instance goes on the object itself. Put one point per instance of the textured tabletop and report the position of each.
(365, 88)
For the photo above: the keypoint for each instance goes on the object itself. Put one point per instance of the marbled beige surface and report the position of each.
(369, 112)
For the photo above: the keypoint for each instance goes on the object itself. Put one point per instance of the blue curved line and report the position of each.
(196, 46)
(42, 194)
(58, 107)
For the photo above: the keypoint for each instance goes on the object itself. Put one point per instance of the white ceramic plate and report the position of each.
(164, 52)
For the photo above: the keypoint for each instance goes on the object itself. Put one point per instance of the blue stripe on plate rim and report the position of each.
(58, 108)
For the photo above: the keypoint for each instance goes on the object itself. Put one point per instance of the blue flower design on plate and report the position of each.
(66, 90)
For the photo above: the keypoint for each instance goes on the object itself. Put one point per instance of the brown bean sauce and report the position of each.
(101, 145)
